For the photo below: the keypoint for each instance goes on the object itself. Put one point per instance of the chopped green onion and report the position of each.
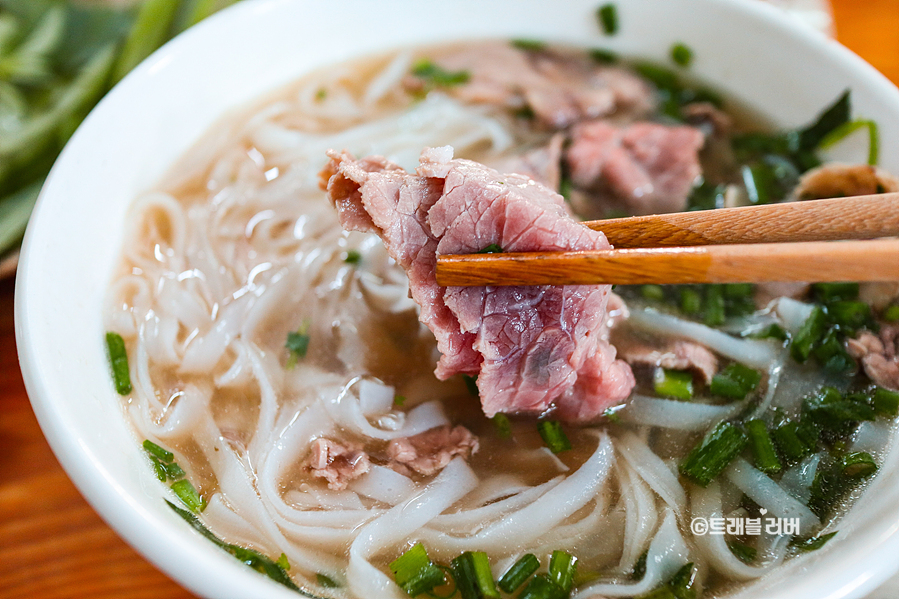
(673, 383)
(714, 309)
(714, 453)
(831, 353)
(690, 301)
(118, 359)
(173, 471)
(834, 117)
(811, 332)
(188, 494)
(789, 442)
(491, 249)
(159, 469)
(518, 573)
(814, 543)
(353, 257)
(541, 587)
(251, 558)
(831, 292)
(850, 315)
(562, 569)
(858, 465)
(891, 313)
(681, 584)
(742, 551)
(321, 94)
(772, 331)
(762, 446)
(529, 45)
(471, 383)
(831, 410)
(471, 571)
(155, 450)
(149, 32)
(552, 434)
(503, 425)
(285, 563)
(607, 15)
(655, 293)
(681, 54)
(603, 56)
(434, 75)
(639, 570)
(324, 580)
(663, 592)
(886, 402)
(297, 344)
(414, 571)
(612, 413)
(847, 129)
(736, 381)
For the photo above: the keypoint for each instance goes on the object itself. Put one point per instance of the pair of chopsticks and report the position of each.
(815, 240)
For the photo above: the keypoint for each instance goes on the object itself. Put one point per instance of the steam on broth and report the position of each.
(282, 361)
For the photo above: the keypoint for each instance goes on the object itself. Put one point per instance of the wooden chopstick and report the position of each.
(861, 217)
(872, 260)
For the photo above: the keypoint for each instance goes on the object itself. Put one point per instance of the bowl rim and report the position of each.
(190, 560)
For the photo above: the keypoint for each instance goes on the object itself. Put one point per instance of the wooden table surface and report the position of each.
(53, 545)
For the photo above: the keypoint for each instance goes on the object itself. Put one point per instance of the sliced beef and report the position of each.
(844, 180)
(644, 168)
(679, 355)
(429, 452)
(560, 89)
(336, 463)
(543, 164)
(879, 355)
(529, 346)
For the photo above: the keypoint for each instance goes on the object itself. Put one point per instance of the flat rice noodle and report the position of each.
(798, 479)
(680, 415)
(384, 484)
(666, 555)
(771, 496)
(640, 516)
(400, 523)
(653, 470)
(467, 521)
(706, 504)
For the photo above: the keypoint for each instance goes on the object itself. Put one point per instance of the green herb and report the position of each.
(762, 447)
(471, 571)
(118, 360)
(858, 464)
(706, 196)
(690, 301)
(471, 383)
(654, 293)
(772, 331)
(673, 383)
(491, 249)
(518, 573)
(284, 563)
(790, 441)
(847, 129)
(811, 332)
(399, 400)
(831, 353)
(830, 409)
(886, 402)
(529, 45)
(891, 313)
(714, 309)
(325, 581)
(851, 315)
(639, 570)
(353, 257)
(503, 425)
(321, 94)
(681, 584)
(541, 587)
(681, 54)
(253, 559)
(742, 551)
(736, 381)
(159, 469)
(172, 471)
(552, 434)
(834, 117)
(188, 494)
(834, 292)
(435, 76)
(562, 569)
(612, 414)
(297, 344)
(414, 571)
(607, 15)
(832, 483)
(814, 543)
(163, 455)
(712, 455)
(603, 56)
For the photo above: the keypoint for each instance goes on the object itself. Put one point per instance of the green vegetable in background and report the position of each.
(57, 59)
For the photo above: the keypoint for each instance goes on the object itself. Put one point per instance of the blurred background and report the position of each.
(57, 59)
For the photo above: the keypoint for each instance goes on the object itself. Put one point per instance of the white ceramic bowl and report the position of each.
(748, 49)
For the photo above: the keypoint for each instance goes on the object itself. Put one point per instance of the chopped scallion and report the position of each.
(552, 434)
(834, 117)
(503, 426)
(654, 293)
(529, 45)
(159, 469)
(414, 571)
(324, 580)
(681, 584)
(811, 332)
(155, 450)
(673, 383)
(714, 453)
(471, 571)
(297, 344)
(891, 313)
(607, 15)
(118, 359)
(562, 569)
(399, 400)
(714, 308)
(858, 464)
(188, 494)
(762, 446)
(690, 301)
(603, 56)
(736, 381)
(886, 402)
(789, 443)
(518, 573)
(814, 543)
(434, 75)
(847, 129)
(681, 54)
(284, 562)
(471, 383)
(353, 257)
(173, 471)
(742, 551)
(541, 587)
(491, 249)
(832, 292)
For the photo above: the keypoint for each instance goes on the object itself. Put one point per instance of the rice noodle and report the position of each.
(771, 496)
(681, 415)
